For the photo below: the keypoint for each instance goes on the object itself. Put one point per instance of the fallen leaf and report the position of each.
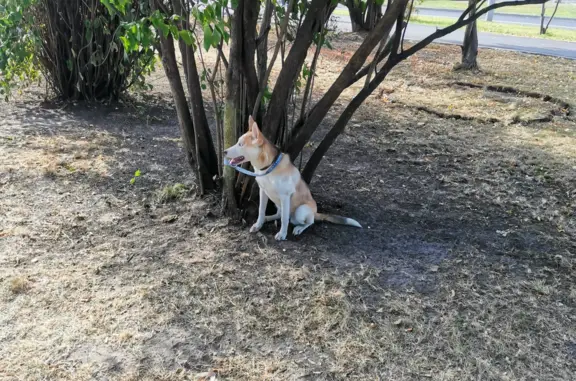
(169, 218)
(206, 376)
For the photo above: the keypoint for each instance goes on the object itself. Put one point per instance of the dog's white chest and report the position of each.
(276, 187)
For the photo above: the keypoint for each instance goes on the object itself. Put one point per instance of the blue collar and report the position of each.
(253, 174)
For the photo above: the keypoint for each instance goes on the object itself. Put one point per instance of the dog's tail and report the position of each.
(337, 219)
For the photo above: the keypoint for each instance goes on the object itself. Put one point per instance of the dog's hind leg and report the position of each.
(303, 217)
(273, 217)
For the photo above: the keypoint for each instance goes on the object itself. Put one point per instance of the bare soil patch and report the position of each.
(465, 269)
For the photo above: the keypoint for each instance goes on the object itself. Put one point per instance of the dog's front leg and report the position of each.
(285, 218)
(261, 212)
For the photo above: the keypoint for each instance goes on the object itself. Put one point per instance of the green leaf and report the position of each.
(207, 37)
(108, 6)
(187, 37)
(164, 29)
(174, 31)
(137, 173)
(89, 34)
(132, 180)
(216, 38)
(209, 13)
(158, 22)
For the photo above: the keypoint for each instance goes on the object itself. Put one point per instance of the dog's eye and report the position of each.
(240, 144)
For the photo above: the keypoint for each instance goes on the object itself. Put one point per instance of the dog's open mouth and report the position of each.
(237, 160)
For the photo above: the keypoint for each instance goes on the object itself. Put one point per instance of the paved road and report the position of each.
(558, 22)
(485, 40)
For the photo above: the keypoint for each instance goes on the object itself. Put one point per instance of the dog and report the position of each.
(280, 181)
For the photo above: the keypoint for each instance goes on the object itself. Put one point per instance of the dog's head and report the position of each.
(248, 147)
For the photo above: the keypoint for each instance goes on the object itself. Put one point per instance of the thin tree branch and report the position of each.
(463, 22)
(407, 21)
(392, 61)
(553, 14)
(308, 89)
(264, 81)
(302, 132)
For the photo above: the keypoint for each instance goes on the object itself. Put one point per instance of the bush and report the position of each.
(76, 44)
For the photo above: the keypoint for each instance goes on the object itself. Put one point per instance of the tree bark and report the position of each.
(363, 20)
(543, 19)
(233, 106)
(204, 143)
(250, 20)
(182, 110)
(262, 47)
(356, 16)
(470, 45)
(373, 14)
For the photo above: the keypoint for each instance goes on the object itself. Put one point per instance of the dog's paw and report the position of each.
(298, 229)
(256, 227)
(280, 236)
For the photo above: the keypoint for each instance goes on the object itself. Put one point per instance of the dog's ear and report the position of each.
(256, 134)
(251, 122)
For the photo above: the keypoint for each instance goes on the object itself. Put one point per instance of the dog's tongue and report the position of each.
(237, 160)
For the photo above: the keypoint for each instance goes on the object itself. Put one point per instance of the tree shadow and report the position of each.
(430, 197)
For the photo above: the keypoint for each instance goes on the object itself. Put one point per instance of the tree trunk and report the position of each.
(363, 20)
(248, 43)
(204, 145)
(470, 46)
(233, 106)
(182, 110)
(373, 14)
(262, 48)
(356, 16)
(543, 19)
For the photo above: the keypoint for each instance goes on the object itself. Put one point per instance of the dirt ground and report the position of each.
(465, 268)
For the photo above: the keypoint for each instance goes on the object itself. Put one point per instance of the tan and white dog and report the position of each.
(283, 185)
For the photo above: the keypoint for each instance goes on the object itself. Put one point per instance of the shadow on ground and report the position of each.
(465, 267)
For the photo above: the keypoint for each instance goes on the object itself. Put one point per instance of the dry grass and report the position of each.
(19, 285)
(59, 156)
(466, 271)
(173, 192)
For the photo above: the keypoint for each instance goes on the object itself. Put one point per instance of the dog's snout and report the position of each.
(225, 152)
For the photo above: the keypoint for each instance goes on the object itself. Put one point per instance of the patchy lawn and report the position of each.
(465, 269)
(501, 28)
(564, 9)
